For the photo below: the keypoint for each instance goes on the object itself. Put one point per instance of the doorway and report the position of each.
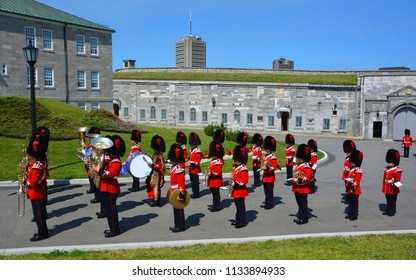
(377, 129)
(285, 120)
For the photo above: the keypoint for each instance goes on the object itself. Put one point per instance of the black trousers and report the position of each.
(136, 183)
(289, 172)
(179, 218)
(39, 213)
(303, 210)
(391, 203)
(256, 176)
(109, 201)
(216, 198)
(406, 152)
(194, 183)
(240, 215)
(268, 193)
(353, 205)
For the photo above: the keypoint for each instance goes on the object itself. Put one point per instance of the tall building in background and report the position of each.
(283, 64)
(190, 50)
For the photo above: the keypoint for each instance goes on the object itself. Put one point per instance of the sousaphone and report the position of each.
(173, 198)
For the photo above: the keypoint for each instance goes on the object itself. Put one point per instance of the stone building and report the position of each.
(75, 55)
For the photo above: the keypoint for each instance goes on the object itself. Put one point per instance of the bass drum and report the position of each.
(137, 165)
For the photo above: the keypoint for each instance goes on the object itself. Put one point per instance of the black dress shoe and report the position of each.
(213, 209)
(384, 213)
(33, 220)
(153, 204)
(133, 189)
(240, 226)
(347, 217)
(301, 222)
(353, 218)
(90, 191)
(109, 234)
(100, 215)
(176, 229)
(391, 214)
(94, 201)
(296, 220)
(37, 237)
(172, 228)
(233, 223)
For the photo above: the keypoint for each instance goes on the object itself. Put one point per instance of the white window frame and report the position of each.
(270, 121)
(48, 77)
(30, 35)
(152, 112)
(163, 114)
(95, 105)
(35, 72)
(298, 122)
(82, 105)
(326, 124)
(224, 118)
(47, 39)
(95, 80)
(94, 50)
(237, 116)
(80, 44)
(342, 124)
(142, 114)
(81, 79)
(205, 116)
(125, 112)
(181, 116)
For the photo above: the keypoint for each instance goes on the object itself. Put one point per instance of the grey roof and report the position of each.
(34, 9)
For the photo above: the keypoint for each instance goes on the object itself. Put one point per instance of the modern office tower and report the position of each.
(283, 64)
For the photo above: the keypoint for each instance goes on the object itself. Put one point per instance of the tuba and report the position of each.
(81, 150)
(97, 158)
(22, 188)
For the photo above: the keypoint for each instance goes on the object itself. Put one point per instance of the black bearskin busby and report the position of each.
(194, 139)
(290, 139)
(119, 146)
(393, 156)
(219, 135)
(216, 149)
(407, 132)
(93, 130)
(41, 138)
(240, 154)
(36, 148)
(313, 145)
(356, 157)
(158, 143)
(241, 139)
(181, 138)
(45, 133)
(136, 135)
(257, 139)
(348, 146)
(175, 153)
(303, 152)
(270, 143)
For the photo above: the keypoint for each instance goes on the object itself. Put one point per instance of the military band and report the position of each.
(269, 167)
(136, 138)
(194, 163)
(214, 174)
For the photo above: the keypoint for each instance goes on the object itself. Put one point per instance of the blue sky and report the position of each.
(316, 34)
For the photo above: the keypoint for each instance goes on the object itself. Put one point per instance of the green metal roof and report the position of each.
(34, 9)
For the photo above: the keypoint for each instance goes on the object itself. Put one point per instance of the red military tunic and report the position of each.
(270, 160)
(407, 141)
(314, 161)
(391, 176)
(240, 178)
(290, 156)
(195, 160)
(215, 173)
(177, 180)
(256, 157)
(35, 189)
(108, 173)
(303, 187)
(353, 181)
(135, 149)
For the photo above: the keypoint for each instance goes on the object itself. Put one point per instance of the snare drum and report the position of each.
(137, 165)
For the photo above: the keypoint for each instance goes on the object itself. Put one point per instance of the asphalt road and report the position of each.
(73, 224)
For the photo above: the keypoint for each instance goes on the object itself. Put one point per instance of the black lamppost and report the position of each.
(31, 56)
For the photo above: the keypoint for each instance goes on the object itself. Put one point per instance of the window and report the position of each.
(125, 111)
(94, 45)
(81, 79)
(181, 116)
(193, 115)
(249, 118)
(270, 121)
(224, 118)
(237, 116)
(95, 80)
(153, 112)
(95, 105)
(163, 114)
(298, 121)
(4, 69)
(343, 124)
(80, 44)
(35, 74)
(326, 124)
(82, 105)
(142, 114)
(48, 77)
(30, 34)
(47, 39)
(204, 116)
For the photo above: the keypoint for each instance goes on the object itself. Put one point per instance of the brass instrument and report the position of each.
(22, 188)
(97, 158)
(81, 150)
(154, 177)
(172, 196)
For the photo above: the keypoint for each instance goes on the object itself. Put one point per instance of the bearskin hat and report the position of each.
(216, 149)
(303, 152)
(241, 139)
(290, 139)
(257, 139)
(219, 135)
(181, 138)
(349, 146)
(119, 146)
(45, 133)
(175, 153)
(270, 143)
(41, 137)
(158, 143)
(136, 135)
(356, 157)
(93, 130)
(407, 131)
(313, 145)
(393, 156)
(36, 148)
(240, 154)
(194, 139)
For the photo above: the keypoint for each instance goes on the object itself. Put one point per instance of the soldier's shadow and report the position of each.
(194, 220)
(69, 225)
(65, 210)
(130, 223)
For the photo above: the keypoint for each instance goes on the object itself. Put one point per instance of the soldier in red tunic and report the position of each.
(92, 133)
(177, 181)
(214, 174)
(181, 140)
(269, 168)
(348, 147)
(301, 183)
(136, 138)
(219, 136)
(194, 163)
(313, 145)
(35, 190)
(290, 158)
(45, 133)
(353, 183)
(238, 185)
(155, 180)
(406, 142)
(257, 141)
(391, 181)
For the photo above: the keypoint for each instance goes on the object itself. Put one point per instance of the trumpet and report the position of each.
(81, 150)
(97, 158)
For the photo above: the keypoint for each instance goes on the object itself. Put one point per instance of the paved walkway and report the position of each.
(73, 224)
